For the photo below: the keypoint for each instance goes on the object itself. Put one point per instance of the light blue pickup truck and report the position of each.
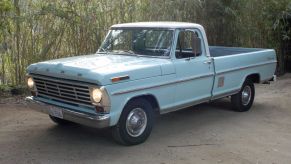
(144, 69)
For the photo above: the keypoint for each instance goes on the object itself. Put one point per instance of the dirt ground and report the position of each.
(208, 133)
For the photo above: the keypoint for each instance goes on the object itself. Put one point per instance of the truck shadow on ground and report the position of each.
(167, 126)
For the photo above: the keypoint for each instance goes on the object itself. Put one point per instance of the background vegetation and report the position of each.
(32, 31)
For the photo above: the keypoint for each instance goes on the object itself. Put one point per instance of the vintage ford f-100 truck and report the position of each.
(143, 69)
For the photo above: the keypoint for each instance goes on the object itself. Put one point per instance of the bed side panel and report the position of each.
(231, 71)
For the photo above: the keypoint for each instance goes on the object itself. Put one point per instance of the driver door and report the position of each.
(194, 70)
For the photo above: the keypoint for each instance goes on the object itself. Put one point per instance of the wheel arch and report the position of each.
(255, 77)
(150, 98)
(120, 131)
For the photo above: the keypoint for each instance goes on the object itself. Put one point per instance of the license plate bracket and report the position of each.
(56, 112)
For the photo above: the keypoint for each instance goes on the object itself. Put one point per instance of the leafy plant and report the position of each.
(33, 31)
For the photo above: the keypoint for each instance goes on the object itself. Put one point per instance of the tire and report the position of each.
(135, 123)
(60, 121)
(242, 103)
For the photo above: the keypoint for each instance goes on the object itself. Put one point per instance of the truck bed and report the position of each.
(233, 64)
(218, 51)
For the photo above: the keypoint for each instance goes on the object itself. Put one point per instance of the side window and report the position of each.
(188, 45)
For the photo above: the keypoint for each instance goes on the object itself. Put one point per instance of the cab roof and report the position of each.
(166, 25)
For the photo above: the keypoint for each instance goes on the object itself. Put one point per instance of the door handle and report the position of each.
(207, 62)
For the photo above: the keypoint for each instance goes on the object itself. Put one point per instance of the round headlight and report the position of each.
(96, 95)
(30, 83)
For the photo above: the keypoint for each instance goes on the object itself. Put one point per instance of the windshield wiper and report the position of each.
(103, 50)
(130, 52)
(119, 52)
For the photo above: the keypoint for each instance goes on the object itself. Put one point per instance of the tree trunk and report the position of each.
(17, 36)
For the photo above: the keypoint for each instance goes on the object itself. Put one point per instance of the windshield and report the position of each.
(149, 42)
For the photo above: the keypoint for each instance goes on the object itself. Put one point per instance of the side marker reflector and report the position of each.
(120, 78)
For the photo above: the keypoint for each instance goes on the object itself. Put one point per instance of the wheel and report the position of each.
(60, 121)
(135, 123)
(243, 100)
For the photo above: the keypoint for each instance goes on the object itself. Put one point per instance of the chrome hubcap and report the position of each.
(136, 122)
(246, 95)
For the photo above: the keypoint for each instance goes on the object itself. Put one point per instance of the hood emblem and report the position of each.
(47, 70)
(119, 78)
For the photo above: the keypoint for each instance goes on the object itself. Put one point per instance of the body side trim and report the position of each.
(163, 84)
(203, 100)
(222, 95)
(245, 53)
(245, 67)
(178, 107)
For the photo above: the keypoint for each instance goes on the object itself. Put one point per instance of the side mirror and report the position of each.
(196, 45)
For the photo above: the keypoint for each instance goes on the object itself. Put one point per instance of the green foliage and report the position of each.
(7, 90)
(5, 8)
(33, 31)
(4, 89)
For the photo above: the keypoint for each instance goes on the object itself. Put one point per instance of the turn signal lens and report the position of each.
(99, 109)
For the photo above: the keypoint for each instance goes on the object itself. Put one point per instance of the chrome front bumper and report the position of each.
(274, 78)
(77, 117)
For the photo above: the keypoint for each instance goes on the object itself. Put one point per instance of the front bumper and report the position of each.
(95, 121)
(274, 78)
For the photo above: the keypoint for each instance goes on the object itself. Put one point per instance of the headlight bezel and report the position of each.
(95, 91)
(30, 83)
(105, 100)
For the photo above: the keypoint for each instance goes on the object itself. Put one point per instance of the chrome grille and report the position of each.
(62, 90)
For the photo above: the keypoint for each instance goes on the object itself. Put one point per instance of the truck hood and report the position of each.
(100, 69)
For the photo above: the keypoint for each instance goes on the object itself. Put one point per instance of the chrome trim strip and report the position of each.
(65, 101)
(178, 107)
(203, 100)
(246, 67)
(97, 121)
(57, 93)
(245, 53)
(105, 100)
(194, 77)
(63, 90)
(58, 89)
(64, 82)
(222, 95)
(56, 79)
(163, 84)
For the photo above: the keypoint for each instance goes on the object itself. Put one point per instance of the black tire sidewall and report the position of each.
(237, 99)
(121, 126)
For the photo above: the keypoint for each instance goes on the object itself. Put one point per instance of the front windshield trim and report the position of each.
(140, 28)
(129, 54)
(104, 51)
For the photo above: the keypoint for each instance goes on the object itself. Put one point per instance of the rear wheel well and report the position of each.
(151, 99)
(255, 78)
